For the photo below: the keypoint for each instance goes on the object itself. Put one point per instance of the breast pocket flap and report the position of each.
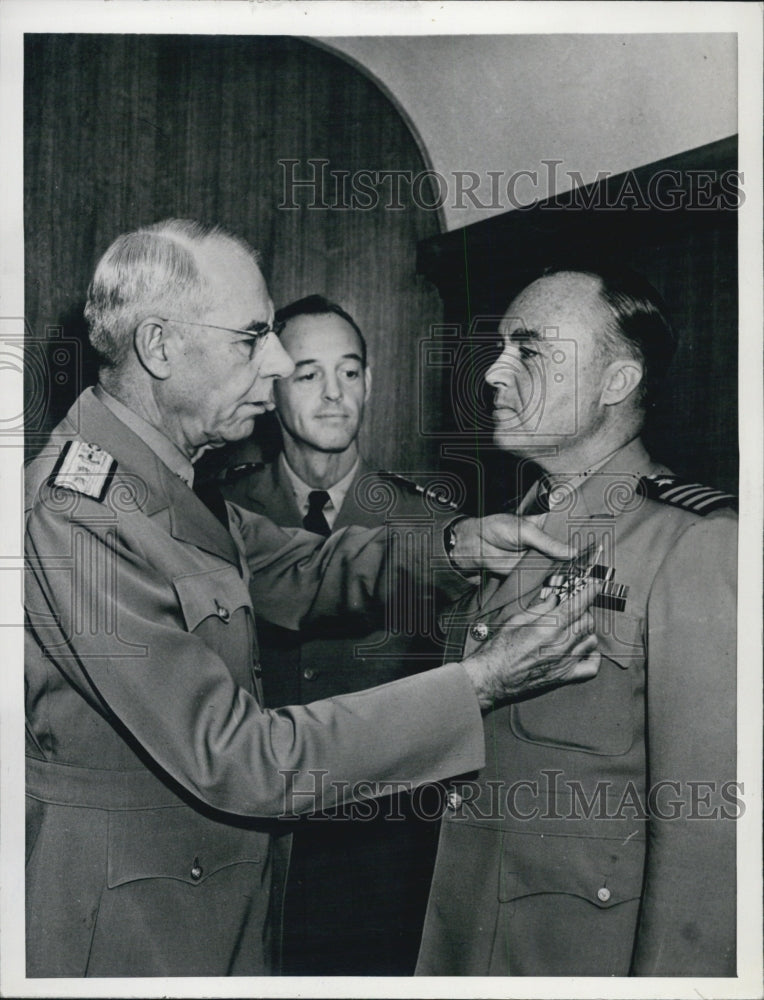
(214, 593)
(177, 844)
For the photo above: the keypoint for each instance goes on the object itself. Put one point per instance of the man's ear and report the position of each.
(151, 346)
(366, 382)
(619, 380)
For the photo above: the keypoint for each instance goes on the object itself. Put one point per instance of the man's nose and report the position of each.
(275, 362)
(501, 373)
(332, 387)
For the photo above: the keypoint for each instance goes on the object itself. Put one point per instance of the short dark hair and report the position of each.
(640, 319)
(318, 305)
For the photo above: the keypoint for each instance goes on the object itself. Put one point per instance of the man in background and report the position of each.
(599, 838)
(357, 887)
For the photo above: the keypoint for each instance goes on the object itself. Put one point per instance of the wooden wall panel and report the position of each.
(124, 130)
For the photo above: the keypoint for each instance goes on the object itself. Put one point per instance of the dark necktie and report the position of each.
(314, 520)
(210, 495)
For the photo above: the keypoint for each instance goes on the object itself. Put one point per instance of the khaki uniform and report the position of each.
(548, 864)
(154, 773)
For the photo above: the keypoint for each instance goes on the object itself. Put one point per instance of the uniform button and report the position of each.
(309, 674)
(257, 669)
(603, 894)
(197, 871)
(453, 800)
(479, 631)
(223, 613)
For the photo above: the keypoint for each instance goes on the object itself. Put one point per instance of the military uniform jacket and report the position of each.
(586, 846)
(154, 774)
(326, 661)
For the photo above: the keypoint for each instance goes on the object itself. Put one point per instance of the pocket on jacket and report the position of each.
(601, 716)
(603, 871)
(177, 844)
(215, 594)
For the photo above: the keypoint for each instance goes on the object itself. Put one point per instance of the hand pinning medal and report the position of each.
(571, 580)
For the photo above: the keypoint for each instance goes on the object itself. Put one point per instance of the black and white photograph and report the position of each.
(381, 468)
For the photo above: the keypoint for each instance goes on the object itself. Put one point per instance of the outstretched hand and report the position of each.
(546, 645)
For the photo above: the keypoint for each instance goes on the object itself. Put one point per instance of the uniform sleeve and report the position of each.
(687, 920)
(297, 576)
(178, 700)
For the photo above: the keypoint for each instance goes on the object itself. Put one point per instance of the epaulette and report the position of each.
(233, 473)
(434, 495)
(84, 468)
(681, 493)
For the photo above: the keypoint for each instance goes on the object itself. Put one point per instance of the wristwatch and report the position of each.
(449, 537)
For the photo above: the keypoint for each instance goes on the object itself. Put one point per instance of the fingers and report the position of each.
(585, 646)
(577, 604)
(510, 533)
(578, 619)
(543, 612)
(583, 625)
(583, 661)
(578, 639)
(586, 667)
(541, 606)
(531, 536)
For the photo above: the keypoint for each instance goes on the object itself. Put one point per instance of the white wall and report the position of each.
(507, 102)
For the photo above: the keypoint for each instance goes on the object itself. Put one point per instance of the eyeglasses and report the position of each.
(256, 331)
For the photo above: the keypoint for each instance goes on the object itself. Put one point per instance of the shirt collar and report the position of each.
(301, 490)
(159, 443)
(631, 458)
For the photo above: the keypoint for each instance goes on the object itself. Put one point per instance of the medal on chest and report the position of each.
(567, 581)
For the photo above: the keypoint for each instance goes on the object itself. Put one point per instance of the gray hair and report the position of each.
(151, 271)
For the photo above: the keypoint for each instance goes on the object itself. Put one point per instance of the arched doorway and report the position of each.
(122, 130)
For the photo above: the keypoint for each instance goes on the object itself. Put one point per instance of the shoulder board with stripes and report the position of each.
(416, 490)
(691, 496)
(233, 473)
(84, 468)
